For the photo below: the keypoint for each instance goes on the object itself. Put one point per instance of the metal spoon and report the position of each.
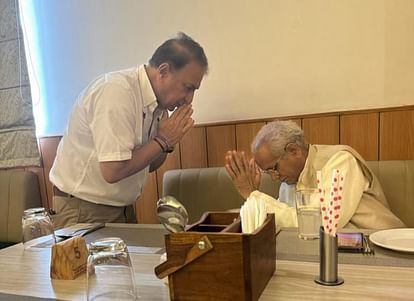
(172, 214)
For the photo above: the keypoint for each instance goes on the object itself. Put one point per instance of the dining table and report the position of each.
(383, 275)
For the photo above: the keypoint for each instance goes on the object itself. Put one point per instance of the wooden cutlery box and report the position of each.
(213, 260)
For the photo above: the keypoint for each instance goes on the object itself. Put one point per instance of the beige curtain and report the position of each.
(18, 143)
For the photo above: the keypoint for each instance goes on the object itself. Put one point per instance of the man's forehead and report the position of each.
(263, 155)
(263, 150)
(193, 70)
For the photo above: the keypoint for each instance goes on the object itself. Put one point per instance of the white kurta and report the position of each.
(355, 184)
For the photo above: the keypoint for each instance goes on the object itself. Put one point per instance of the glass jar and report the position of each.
(37, 227)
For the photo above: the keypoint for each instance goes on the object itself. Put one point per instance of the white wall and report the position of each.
(267, 57)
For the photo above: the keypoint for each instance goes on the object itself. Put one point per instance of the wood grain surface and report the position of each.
(220, 139)
(69, 259)
(361, 132)
(28, 274)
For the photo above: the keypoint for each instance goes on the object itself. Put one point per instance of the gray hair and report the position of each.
(277, 135)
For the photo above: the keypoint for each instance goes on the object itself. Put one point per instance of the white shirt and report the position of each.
(111, 117)
(287, 193)
(354, 186)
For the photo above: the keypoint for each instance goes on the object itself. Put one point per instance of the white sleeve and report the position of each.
(285, 216)
(114, 123)
(353, 186)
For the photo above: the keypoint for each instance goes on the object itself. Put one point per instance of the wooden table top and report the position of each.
(27, 273)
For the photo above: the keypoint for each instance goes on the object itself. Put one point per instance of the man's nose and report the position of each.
(275, 176)
(189, 97)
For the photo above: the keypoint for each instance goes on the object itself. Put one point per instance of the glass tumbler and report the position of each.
(308, 211)
(110, 274)
(37, 227)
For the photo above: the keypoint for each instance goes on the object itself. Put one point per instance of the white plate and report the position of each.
(394, 239)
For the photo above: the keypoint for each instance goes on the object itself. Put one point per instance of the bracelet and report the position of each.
(163, 147)
(168, 148)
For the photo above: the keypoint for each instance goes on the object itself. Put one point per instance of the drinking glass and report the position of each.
(110, 274)
(308, 211)
(37, 227)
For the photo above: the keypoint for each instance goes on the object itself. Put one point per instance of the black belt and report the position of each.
(58, 192)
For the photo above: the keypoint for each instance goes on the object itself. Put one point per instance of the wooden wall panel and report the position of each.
(145, 207)
(172, 162)
(220, 139)
(297, 120)
(193, 148)
(387, 134)
(397, 135)
(245, 133)
(361, 132)
(321, 130)
(48, 148)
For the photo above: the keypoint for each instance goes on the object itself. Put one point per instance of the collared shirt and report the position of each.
(111, 118)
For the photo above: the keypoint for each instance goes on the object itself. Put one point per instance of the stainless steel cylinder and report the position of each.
(328, 260)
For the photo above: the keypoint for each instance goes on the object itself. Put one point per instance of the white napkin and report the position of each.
(252, 214)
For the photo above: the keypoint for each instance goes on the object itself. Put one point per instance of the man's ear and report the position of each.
(293, 149)
(164, 69)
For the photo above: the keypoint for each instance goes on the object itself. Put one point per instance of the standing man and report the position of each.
(119, 130)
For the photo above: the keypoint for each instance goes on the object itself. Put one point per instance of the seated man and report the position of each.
(279, 149)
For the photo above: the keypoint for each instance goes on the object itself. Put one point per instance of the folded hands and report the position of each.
(243, 172)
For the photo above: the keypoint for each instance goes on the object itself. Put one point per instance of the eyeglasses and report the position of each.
(275, 168)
